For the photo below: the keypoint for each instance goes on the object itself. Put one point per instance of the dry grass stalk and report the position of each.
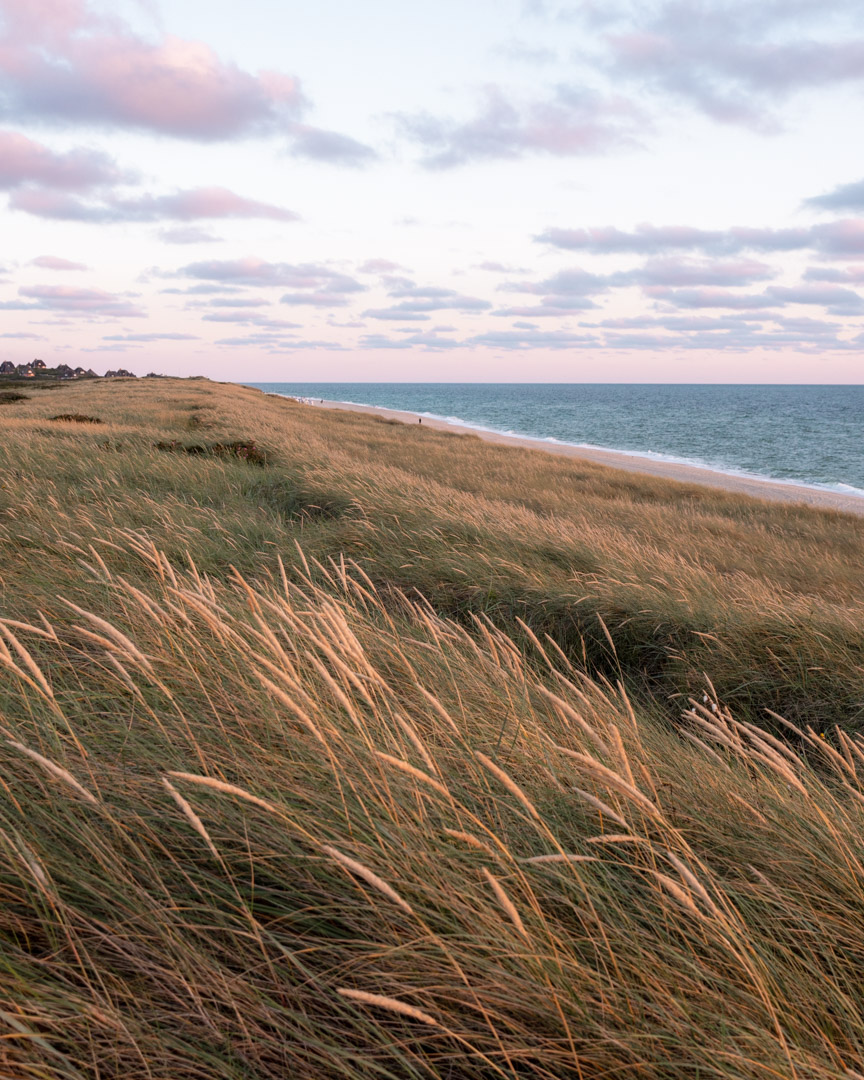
(369, 876)
(416, 742)
(679, 894)
(215, 621)
(335, 689)
(766, 737)
(611, 779)
(439, 708)
(839, 763)
(569, 713)
(779, 766)
(28, 858)
(410, 770)
(227, 789)
(508, 783)
(506, 903)
(618, 838)
(712, 731)
(190, 815)
(380, 1001)
(603, 807)
(7, 661)
(55, 770)
(472, 841)
(853, 744)
(125, 677)
(535, 641)
(291, 705)
(691, 879)
(560, 858)
(705, 748)
(749, 807)
(116, 636)
(47, 633)
(621, 754)
(28, 660)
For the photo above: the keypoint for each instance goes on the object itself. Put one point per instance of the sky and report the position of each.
(500, 190)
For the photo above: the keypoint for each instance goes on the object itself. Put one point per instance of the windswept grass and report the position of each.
(408, 756)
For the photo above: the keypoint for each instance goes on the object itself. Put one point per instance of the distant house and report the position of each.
(25, 370)
(38, 365)
(120, 373)
(7, 368)
(64, 371)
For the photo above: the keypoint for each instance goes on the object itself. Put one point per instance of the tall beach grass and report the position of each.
(403, 755)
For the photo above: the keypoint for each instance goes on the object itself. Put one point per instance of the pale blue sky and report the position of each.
(471, 150)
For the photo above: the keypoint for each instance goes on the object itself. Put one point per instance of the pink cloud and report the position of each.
(572, 121)
(854, 274)
(73, 301)
(323, 298)
(844, 197)
(60, 61)
(841, 239)
(837, 300)
(255, 271)
(711, 298)
(150, 337)
(190, 205)
(251, 318)
(56, 205)
(393, 314)
(526, 339)
(212, 202)
(421, 299)
(52, 262)
(237, 302)
(188, 234)
(378, 266)
(736, 60)
(500, 268)
(649, 239)
(332, 146)
(24, 161)
(678, 271)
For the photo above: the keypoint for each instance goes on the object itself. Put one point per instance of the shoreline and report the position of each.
(774, 490)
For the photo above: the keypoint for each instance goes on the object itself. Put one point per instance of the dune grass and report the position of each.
(398, 754)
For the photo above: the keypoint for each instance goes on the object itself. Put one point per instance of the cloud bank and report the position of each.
(62, 62)
(195, 204)
(837, 238)
(572, 121)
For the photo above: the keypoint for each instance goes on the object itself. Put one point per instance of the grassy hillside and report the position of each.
(337, 748)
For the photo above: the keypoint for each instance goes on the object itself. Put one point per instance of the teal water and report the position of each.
(811, 435)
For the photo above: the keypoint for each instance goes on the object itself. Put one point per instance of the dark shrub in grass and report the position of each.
(245, 449)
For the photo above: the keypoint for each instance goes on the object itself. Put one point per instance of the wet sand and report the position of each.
(687, 474)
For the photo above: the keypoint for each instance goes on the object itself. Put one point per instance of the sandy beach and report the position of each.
(687, 474)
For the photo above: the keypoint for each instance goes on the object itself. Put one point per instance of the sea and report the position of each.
(810, 435)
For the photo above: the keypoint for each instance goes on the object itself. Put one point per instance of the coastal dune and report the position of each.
(671, 470)
(334, 746)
